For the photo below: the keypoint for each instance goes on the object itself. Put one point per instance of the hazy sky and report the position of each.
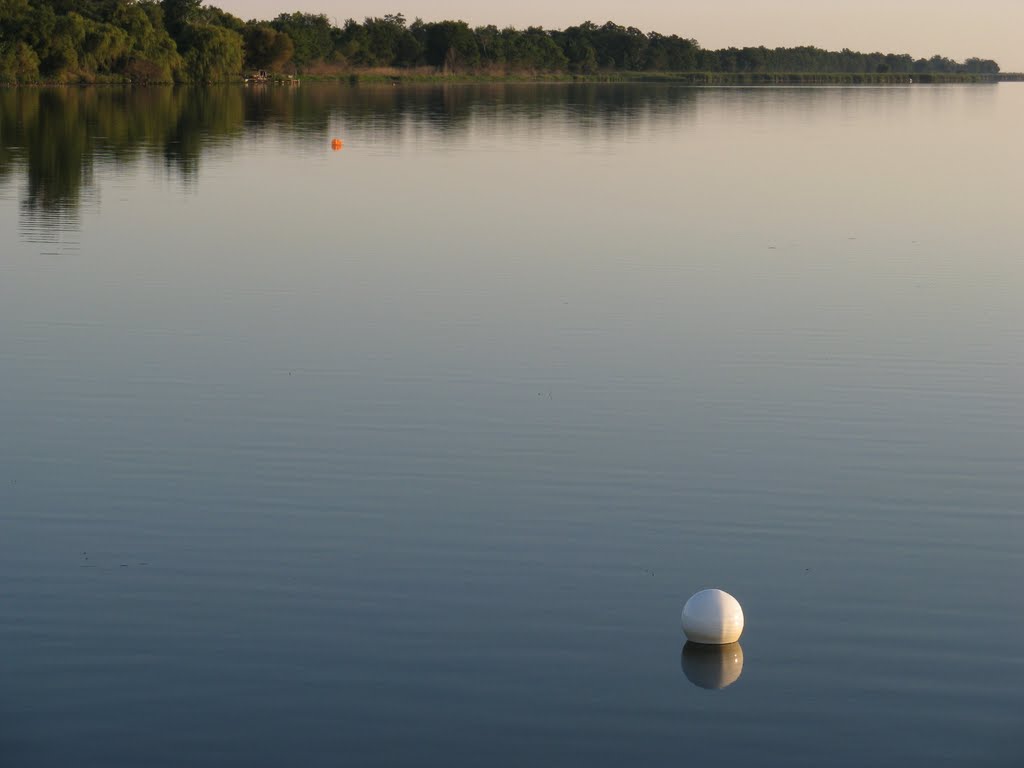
(955, 28)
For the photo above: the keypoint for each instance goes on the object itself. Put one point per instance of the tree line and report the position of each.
(187, 41)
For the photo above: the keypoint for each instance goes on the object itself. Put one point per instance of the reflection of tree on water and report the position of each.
(201, 116)
(58, 136)
(42, 134)
(451, 109)
(48, 134)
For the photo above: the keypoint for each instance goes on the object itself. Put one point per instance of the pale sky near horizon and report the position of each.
(953, 28)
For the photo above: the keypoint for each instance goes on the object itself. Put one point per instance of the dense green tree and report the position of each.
(448, 45)
(377, 42)
(391, 41)
(533, 49)
(619, 47)
(671, 53)
(578, 45)
(981, 66)
(220, 18)
(266, 48)
(13, 16)
(18, 63)
(106, 47)
(311, 36)
(97, 10)
(214, 53)
(491, 45)
(18, 60)
(178, 14)
(154, 56)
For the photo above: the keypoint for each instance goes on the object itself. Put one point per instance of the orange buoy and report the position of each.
(336, 145)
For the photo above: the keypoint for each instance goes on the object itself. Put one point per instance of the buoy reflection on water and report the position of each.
(712, 666)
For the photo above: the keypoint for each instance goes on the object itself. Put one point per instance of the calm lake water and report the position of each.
(411, 453)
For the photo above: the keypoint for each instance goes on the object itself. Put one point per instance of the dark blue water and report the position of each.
(412, 452)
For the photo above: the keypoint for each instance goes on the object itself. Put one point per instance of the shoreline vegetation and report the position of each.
(386, 77)
(66, 42)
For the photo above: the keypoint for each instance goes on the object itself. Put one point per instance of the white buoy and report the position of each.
(712, 617)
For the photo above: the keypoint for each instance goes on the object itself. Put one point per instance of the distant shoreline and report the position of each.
(379, 76)
(185, 41)
(682, 78)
